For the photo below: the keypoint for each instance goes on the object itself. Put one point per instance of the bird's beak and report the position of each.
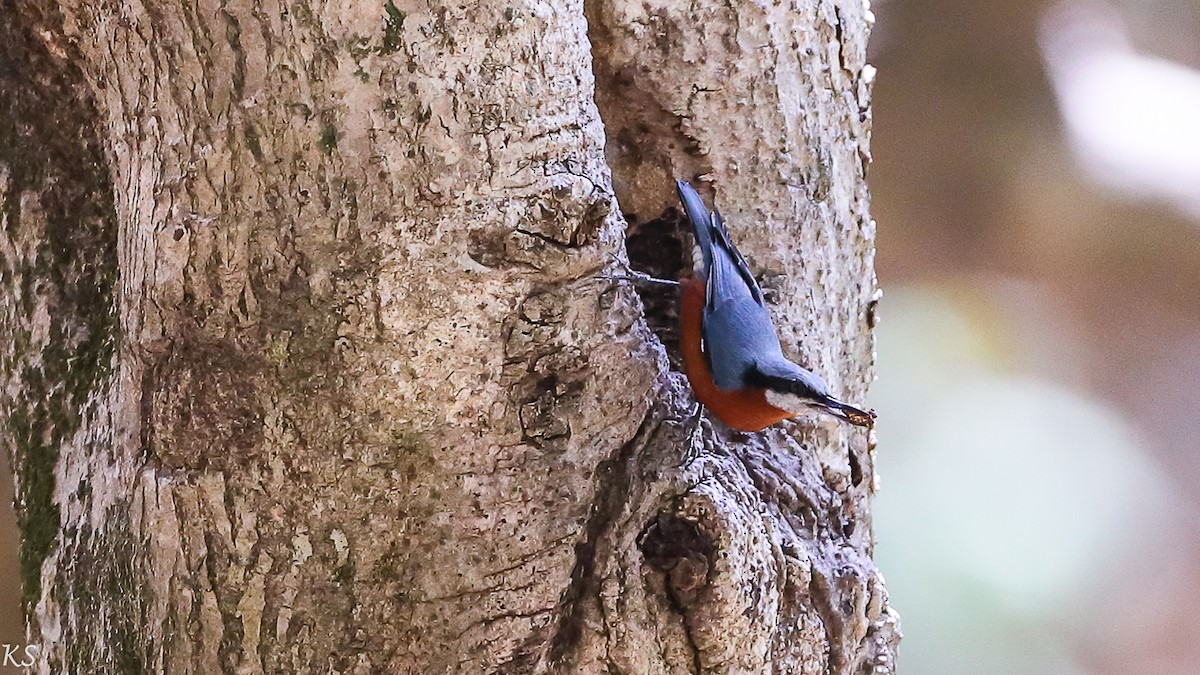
(855, 416)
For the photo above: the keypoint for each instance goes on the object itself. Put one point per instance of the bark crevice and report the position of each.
(683, 554)
(614, 478)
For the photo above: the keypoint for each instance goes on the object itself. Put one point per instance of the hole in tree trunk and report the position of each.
(656, 247)
(678, 548)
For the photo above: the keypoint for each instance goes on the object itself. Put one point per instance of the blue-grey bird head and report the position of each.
(798, 390)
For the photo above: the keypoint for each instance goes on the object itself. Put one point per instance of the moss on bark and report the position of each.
(58, 194)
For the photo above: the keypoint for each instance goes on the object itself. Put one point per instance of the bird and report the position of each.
(731, 352)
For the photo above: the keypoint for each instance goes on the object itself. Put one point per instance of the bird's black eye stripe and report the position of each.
(781, 384)
(757, 378)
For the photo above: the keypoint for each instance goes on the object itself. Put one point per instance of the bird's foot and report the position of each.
(633, 276)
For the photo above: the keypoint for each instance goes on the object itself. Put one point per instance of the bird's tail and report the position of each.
(700, 217)
(716, 250)
(855, 416)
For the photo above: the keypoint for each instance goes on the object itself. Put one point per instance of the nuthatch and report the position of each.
(731, 352)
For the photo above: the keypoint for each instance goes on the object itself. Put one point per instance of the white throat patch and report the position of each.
(790, 402)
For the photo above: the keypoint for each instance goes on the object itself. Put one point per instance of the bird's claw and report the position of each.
(633, 276)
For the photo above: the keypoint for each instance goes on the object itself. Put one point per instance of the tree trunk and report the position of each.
(306, 365)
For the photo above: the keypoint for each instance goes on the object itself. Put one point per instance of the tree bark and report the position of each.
(307, 364)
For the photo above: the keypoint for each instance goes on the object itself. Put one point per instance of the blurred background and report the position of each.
(1036, 180)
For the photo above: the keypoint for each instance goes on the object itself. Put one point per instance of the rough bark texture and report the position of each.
(307, 367)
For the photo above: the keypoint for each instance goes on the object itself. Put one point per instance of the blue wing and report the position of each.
(737, 326)
(730, 275)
